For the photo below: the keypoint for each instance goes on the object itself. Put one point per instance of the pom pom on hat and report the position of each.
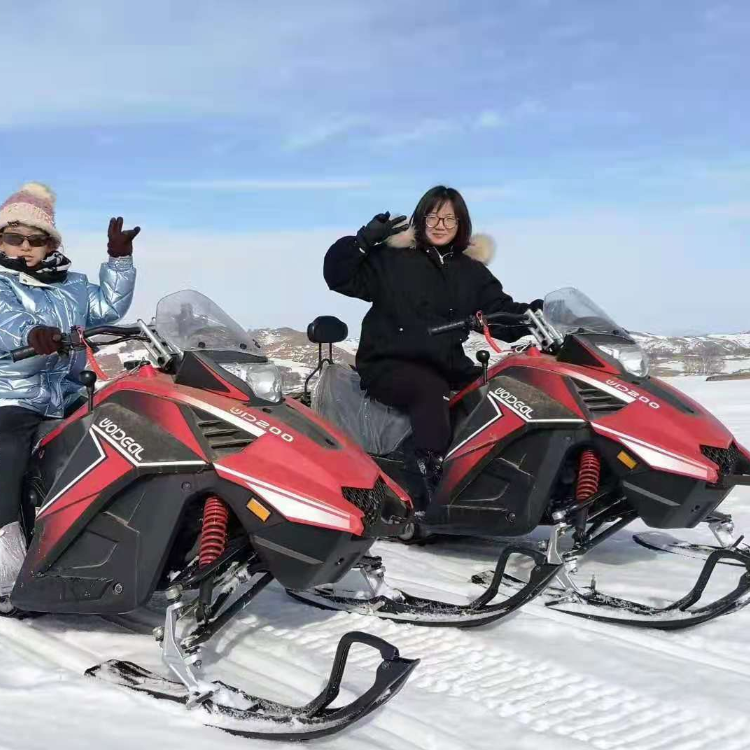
(41, 191)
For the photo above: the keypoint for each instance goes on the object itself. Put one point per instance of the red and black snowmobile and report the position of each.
(190, 474)
(567, 431)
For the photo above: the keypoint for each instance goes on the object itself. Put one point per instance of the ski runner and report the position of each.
(39, 300)
(417, 274)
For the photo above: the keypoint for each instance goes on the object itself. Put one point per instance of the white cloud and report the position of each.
(323, 132)
(486, 193)
(250, 185)
(489, 119)
(529, 108)
(728, 210)
(146, 62)
(429, 128)
(276, 278)
(642, 269)
(261, 279)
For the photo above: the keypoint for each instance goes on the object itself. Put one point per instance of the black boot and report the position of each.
(430, 467)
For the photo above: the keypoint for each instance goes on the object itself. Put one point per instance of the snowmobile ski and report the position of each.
(234, 711)
(591, 604)
(378, 599)
(658, 541)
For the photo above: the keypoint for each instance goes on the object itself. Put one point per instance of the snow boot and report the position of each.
(430, 466)
(12, 554)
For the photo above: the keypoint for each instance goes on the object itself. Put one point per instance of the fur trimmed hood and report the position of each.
(481, 247)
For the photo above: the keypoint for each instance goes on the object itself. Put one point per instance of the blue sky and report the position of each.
(604, 144)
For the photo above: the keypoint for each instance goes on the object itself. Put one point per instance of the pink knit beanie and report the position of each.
(33, 205)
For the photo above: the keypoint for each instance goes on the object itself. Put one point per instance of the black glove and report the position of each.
(45, 339)
(380, 229)
(120, 242)
(536, 305)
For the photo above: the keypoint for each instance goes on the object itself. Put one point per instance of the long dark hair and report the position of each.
(430, 202)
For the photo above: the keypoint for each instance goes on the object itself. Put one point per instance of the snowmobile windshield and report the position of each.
(189, 321)
(569, 310)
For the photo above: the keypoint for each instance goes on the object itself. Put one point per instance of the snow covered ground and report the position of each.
(540, 679)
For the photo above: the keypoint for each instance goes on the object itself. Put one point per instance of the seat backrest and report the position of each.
(326, 329)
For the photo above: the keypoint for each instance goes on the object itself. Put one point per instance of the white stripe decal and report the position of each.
(292, 505)
(492, 421)
(659, 458)
(88, 470)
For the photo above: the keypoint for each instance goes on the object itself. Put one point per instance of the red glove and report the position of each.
(45, 339)
(120, 241)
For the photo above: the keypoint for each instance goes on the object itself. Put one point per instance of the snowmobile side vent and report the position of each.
(727, 459)
(370, 502)
(224, 438)
(599, 403)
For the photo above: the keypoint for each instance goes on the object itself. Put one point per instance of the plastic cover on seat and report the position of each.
(337, 397)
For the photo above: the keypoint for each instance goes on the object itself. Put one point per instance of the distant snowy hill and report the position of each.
(296, 356)
(675, 355)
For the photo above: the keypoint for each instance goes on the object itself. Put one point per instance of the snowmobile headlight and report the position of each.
(630, 356)
(263, 378)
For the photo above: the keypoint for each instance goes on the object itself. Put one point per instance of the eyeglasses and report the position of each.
(16, 240)
(432, 220)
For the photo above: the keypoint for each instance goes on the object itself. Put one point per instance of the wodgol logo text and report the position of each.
(120, 437)
(520, 407)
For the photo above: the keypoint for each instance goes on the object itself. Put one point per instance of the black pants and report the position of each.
(423, 394)
(17, 430)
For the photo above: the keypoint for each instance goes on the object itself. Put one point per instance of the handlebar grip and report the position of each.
(24, 352)
(508, 319)
(446, 327)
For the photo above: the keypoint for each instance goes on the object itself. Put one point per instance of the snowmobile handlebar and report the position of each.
(499, 318)
(75, 340)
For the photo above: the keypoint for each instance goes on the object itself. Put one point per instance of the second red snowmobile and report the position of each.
(568, 431)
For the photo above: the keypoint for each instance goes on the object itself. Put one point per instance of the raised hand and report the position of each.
(120, 241)
(379, 229)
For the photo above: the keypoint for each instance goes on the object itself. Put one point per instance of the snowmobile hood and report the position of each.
(665, 428)
(290, 456)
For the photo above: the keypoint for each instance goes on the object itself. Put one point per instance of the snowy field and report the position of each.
(540, 679)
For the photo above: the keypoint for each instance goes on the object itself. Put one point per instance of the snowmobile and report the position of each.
(568, 431)
(190, 475)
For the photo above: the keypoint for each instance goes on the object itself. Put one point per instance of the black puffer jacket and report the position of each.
(412, 290)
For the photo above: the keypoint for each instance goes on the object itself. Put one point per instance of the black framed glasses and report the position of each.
(432, 220)
(14, 239)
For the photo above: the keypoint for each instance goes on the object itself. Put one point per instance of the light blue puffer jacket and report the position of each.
(50, 384)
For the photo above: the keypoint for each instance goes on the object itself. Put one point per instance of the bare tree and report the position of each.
(712, 363)
(707, 361)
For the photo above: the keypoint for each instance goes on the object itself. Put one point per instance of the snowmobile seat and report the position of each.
(339, 398)
(326, 329)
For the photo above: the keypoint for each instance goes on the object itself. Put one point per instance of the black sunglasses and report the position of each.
(35, 240)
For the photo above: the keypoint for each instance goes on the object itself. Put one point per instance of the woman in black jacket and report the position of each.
(419, 274)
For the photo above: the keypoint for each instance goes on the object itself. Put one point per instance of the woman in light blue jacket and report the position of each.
(40, 299)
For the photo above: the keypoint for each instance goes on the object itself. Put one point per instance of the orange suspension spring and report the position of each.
(589, 471)
(213, 531)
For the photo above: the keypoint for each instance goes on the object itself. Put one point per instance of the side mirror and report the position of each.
(88, 380)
